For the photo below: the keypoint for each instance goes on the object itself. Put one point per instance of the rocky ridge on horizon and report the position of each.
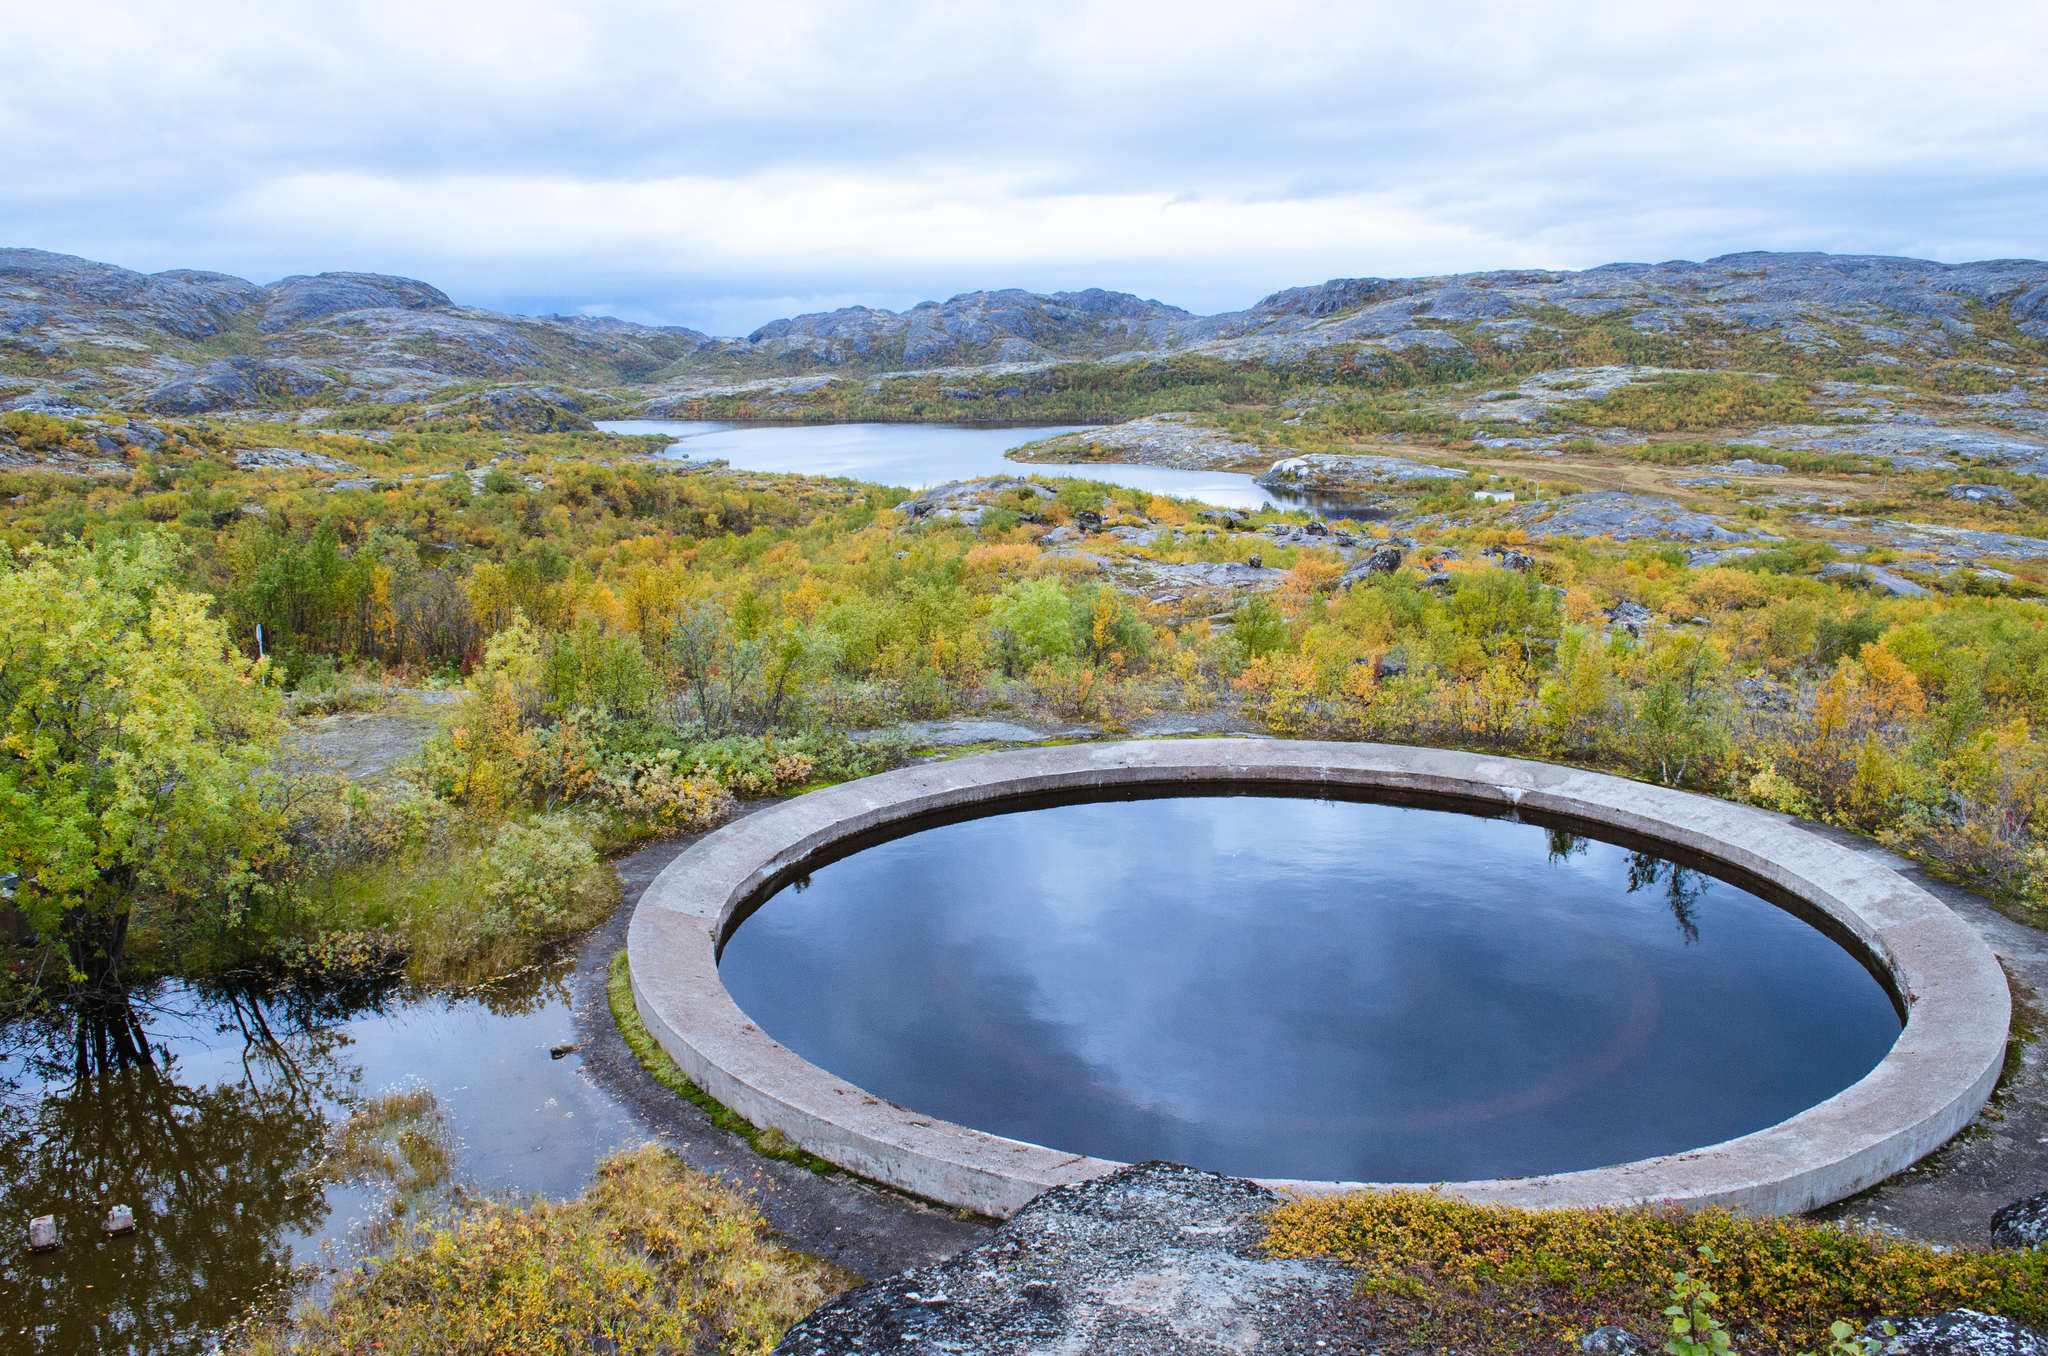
(186, 342)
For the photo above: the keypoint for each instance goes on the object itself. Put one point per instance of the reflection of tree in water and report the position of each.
(1682, 888)
(96, 1111)
(1564, 845)
(215, 1174)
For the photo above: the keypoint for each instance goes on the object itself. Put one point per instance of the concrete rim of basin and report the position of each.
(1936, 1077)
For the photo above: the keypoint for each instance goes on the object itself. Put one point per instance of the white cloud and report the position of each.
(658, 157)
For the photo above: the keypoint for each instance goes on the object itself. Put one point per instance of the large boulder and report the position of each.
(1385, 560)
(1962, 1332)
(1152, 1258)
(2023, 1224)
(963, 500)
(294, 300)
(1624, 517)
(230, 383)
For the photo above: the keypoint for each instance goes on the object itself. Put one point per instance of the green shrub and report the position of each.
(604, 671)
(460, 900)
(1258, 628)
(541, 880)
(1031, 621)
(1696, 400)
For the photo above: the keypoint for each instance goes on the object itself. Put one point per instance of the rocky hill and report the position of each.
(184, 342)
(1817, 300)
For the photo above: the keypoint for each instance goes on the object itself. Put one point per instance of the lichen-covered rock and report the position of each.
(288, 458)
(1156, 1258)
(1881, 581)
(1385, 560)
(88, 299)
(290, 301)
(1173, 440)
(1519, 561)
(1218, 574)
(1962, 1332)
(532, 409)
(1612, 1341)
(1624, 517)
(2023, 1224)
(230, 383)
(1328, 471)
(1633, 618)
(964, 500)
(1964, 543)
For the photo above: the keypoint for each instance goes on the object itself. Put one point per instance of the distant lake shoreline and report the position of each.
(919, 455)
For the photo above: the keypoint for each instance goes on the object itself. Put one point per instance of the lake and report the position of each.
(917, 455)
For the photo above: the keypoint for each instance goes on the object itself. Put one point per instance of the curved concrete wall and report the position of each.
(1943, 1067)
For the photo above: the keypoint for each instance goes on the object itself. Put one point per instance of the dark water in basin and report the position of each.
(1275, 987)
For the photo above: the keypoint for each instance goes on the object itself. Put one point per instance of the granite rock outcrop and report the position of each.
(1156, 1258)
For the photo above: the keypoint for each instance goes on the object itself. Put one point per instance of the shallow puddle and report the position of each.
(207, 1116)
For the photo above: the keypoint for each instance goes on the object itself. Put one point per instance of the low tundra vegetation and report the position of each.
(1436, 1273)
(654, 1257)
(636, 645)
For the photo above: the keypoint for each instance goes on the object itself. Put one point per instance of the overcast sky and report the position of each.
(722, 165)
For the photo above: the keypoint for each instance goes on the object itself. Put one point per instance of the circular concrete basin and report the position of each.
(1935, 1078)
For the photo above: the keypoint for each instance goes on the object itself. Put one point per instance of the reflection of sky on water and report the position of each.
(1289, 988)
(918, 455)
(207, 1141)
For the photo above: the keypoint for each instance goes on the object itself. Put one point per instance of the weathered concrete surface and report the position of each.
(1156, 1258)
(869, 1231)
(1950, 1196)
(1936, 1077)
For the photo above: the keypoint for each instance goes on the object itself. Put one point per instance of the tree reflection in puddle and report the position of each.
(203, 1108)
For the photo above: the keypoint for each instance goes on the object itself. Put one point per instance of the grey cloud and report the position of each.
(1605, 132)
